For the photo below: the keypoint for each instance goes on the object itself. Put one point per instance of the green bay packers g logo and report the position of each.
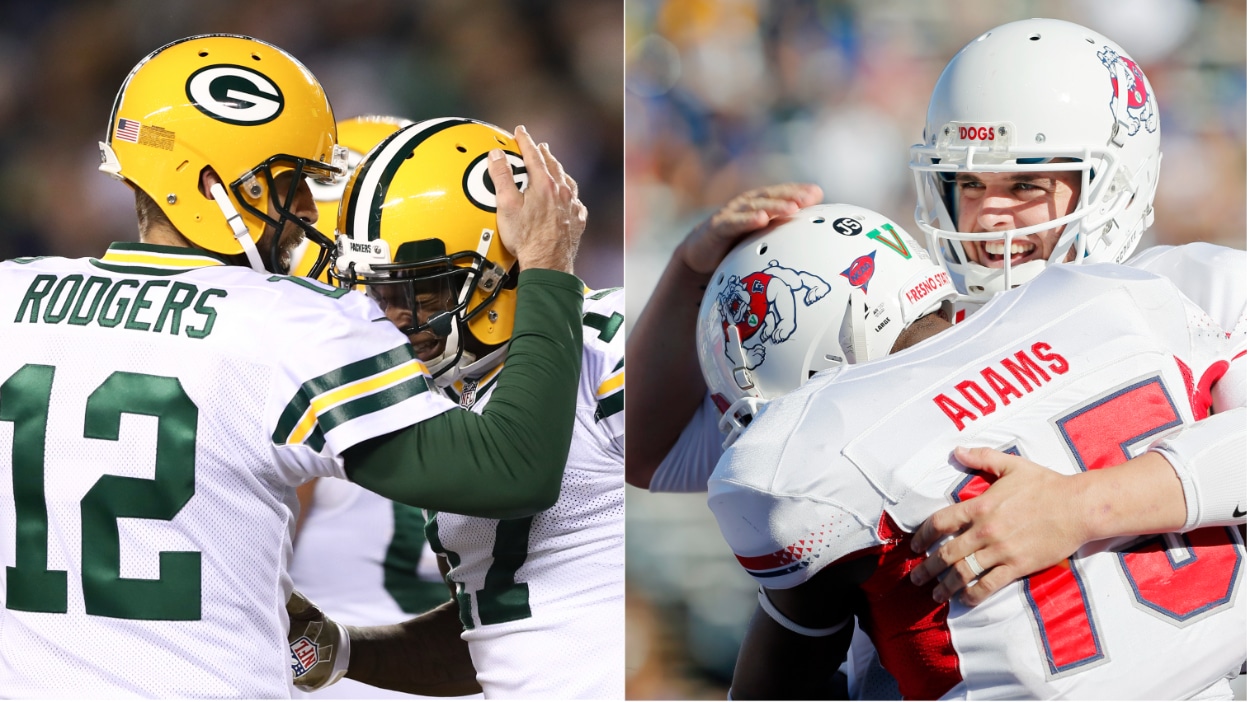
(480, 189)
(235, 95)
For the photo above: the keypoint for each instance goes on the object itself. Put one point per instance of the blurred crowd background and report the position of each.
(726, 95)
(553, 65)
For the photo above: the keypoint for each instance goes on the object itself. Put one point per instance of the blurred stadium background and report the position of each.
(722, 96)
(552, 65)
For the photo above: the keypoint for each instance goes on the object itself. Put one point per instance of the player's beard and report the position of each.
(292, 235)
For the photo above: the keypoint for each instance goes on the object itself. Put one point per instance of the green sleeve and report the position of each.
(508, 461)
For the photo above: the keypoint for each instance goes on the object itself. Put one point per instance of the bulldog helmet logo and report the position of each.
(1137, 109)
(761, 308)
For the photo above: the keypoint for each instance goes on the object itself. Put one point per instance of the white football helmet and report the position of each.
(828, 285)
(1040, 95)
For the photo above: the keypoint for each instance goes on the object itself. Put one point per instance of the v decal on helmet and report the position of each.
(894, 243)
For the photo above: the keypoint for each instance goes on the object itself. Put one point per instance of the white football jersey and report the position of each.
(1213, 277)
(1079, 370)
(156, 409)
(364, 561)
(542, 598)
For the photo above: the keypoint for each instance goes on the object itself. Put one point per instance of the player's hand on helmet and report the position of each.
(707, 244)
(319, 646)
(542, 226)
(1027, 520)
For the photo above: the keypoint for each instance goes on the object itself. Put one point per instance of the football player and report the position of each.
(1079, 188)
(1082, 165)
(818, 500)
(361, 557)
(541, 598)
(1041, 146)
(162, 401)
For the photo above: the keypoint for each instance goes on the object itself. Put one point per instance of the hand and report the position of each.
(543, 226)
(707, 244)
(320, 648)
(1029, 519)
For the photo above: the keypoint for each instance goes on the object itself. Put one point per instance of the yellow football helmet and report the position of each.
(418, 213)
(357, 135)
(240, 106)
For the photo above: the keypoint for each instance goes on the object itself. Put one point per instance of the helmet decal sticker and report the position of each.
(761, 308)
(860, 271)
(1137, 110)
(894, 242)
(480, 189)
(235, 95)
(847, 226)
(127, 130)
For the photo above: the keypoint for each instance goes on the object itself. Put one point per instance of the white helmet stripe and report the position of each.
(401, 142)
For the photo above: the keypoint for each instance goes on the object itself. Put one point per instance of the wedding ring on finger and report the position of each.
(971, 560)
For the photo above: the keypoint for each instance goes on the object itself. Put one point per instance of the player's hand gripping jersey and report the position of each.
(156, 406)
(1081, 369)
(542, 598)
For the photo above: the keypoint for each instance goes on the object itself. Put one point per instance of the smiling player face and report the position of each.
(990, 202)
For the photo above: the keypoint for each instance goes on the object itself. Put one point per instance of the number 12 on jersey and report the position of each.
(30, 586)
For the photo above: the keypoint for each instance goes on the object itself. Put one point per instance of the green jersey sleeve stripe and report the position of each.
(610, 405)
(349, 373)
(137, 270)
(316, 441)
(359, 407)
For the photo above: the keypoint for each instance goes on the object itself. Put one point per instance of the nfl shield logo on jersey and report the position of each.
(303, 655)
(468, 395)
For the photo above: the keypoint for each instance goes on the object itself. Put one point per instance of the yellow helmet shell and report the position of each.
(429, 182)
(358, 135)
(223, 101)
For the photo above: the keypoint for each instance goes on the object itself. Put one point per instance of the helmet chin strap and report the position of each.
(237, 226)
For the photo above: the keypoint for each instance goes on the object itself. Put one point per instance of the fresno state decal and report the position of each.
(761, 309)
(1137, 110)
(480, 189)
(235, 95)
(861, 270)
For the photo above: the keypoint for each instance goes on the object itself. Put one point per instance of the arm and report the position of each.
(662, 340)
(776, 662)
(422, 656)
(507, 462)
(1032, 518)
